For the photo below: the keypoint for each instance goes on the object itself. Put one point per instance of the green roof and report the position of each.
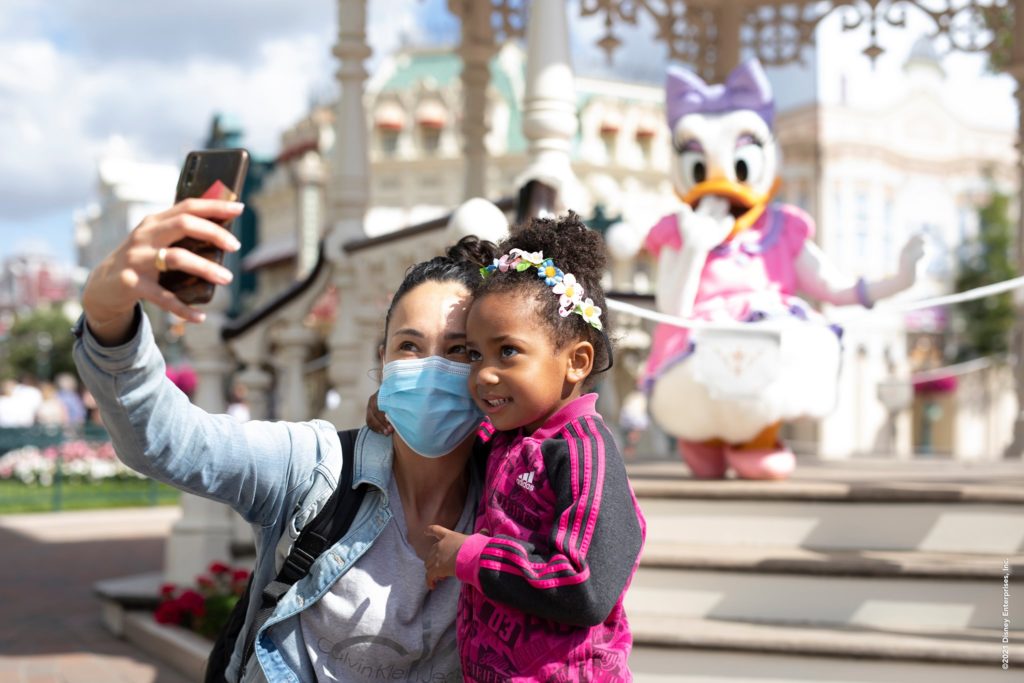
(445, 67)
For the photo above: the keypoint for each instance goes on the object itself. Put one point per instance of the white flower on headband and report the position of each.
(590, 312)
(534, 258)
(571, 292)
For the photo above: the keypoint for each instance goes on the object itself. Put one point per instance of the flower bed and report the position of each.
(204, 608)
(78, 461)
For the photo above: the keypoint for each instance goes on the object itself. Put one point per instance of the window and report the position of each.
(388, 142)
(862, 225)
(430, 139)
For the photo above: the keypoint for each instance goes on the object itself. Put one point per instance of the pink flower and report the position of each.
(184, 378)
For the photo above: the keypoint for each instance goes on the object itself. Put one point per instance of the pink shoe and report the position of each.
(769, 463)
(705, 461)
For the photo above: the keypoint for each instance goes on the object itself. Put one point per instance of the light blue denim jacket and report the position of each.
(276, 475)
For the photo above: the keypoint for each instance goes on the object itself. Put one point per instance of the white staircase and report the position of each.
(852, 573)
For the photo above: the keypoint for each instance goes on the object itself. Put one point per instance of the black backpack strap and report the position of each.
(326, 529)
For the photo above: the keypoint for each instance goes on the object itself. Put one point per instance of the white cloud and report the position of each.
(76, 73)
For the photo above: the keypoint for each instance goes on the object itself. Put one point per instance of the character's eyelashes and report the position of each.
(752, 139)
(688, 145)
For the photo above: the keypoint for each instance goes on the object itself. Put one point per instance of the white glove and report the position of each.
(911, 253)
(708, 226)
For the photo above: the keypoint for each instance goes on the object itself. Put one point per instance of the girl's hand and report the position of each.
(129, 274)
(375, 419)
(440, 561)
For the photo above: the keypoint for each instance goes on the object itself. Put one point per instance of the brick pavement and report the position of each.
(50, 628)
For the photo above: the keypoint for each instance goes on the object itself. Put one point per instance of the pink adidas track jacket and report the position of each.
(558, 539)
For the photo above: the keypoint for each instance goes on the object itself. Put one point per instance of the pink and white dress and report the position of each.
(751, 279)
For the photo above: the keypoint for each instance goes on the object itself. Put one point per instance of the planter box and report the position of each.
(181, 649)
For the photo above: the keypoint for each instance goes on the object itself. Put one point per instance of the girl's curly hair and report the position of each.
(575, 249)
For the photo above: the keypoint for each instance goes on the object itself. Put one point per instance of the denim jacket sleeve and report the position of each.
(253, 467)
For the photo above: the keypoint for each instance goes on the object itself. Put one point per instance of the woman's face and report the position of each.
(430, 320)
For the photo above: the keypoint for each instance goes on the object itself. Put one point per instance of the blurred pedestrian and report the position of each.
(51, 412)
(17, 408)
(237, 407)
(67, 390)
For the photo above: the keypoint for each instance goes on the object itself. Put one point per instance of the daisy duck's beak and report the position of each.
(745, 204)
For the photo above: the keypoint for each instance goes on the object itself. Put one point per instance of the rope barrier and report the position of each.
(883, 308)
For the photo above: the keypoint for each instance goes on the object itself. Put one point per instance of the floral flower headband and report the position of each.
(569, 291)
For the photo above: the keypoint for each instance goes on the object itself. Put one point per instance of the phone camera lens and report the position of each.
(190, 173)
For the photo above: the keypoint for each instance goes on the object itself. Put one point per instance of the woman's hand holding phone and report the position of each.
(129, 274)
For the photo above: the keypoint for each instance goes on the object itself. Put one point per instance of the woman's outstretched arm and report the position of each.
(154, 427)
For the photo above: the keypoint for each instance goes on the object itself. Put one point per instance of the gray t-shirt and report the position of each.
(379, 622)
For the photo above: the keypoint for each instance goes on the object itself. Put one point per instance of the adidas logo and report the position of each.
(525, 480)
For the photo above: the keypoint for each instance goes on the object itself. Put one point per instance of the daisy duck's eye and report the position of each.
(694, 167)
(749, 162)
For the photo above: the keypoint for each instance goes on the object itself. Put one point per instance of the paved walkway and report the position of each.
(50, 629)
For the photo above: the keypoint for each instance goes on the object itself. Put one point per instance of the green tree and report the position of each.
(986, 324)
(39, 344)
(999, 20)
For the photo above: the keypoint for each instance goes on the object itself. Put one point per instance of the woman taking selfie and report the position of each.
(380, 620)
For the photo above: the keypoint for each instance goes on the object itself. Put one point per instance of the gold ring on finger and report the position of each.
(161, 259)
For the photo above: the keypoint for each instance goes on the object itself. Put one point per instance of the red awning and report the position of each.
(431, 114)
(389, 116)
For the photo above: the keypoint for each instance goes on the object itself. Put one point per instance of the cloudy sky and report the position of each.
(78, 77)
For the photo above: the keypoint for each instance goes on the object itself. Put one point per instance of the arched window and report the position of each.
(389, 121)
(431, 118)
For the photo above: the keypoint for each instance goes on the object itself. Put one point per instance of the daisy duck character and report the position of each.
(730, 255)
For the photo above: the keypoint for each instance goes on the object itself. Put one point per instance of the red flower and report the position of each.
(204, 581)
(193, 603)
(169, 612)
(219, 568)
(240, 575)
(167, 590)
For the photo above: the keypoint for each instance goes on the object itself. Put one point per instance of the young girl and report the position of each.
(558, 532)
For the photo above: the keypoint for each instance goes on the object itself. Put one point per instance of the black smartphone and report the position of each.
(206, 174)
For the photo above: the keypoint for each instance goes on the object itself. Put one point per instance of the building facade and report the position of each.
(872, 173)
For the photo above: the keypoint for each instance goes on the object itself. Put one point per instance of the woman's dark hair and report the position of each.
(575, 249)
(461, 263)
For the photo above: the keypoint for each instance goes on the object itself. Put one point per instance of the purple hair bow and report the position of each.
(746, 88)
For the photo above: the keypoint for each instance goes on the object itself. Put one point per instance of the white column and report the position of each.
(350, 165)
(203, 534)
(251, 351)
(348, 194)
(549, 106)
(476, 50)
(293, 342)
(308, 175)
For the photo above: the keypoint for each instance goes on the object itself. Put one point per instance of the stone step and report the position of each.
(955, 510)
(862, 563)
(868, 590)
(931, 527)
(849, 482)
(681, 650)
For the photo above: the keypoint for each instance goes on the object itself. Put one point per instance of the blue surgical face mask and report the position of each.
(427, 402)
